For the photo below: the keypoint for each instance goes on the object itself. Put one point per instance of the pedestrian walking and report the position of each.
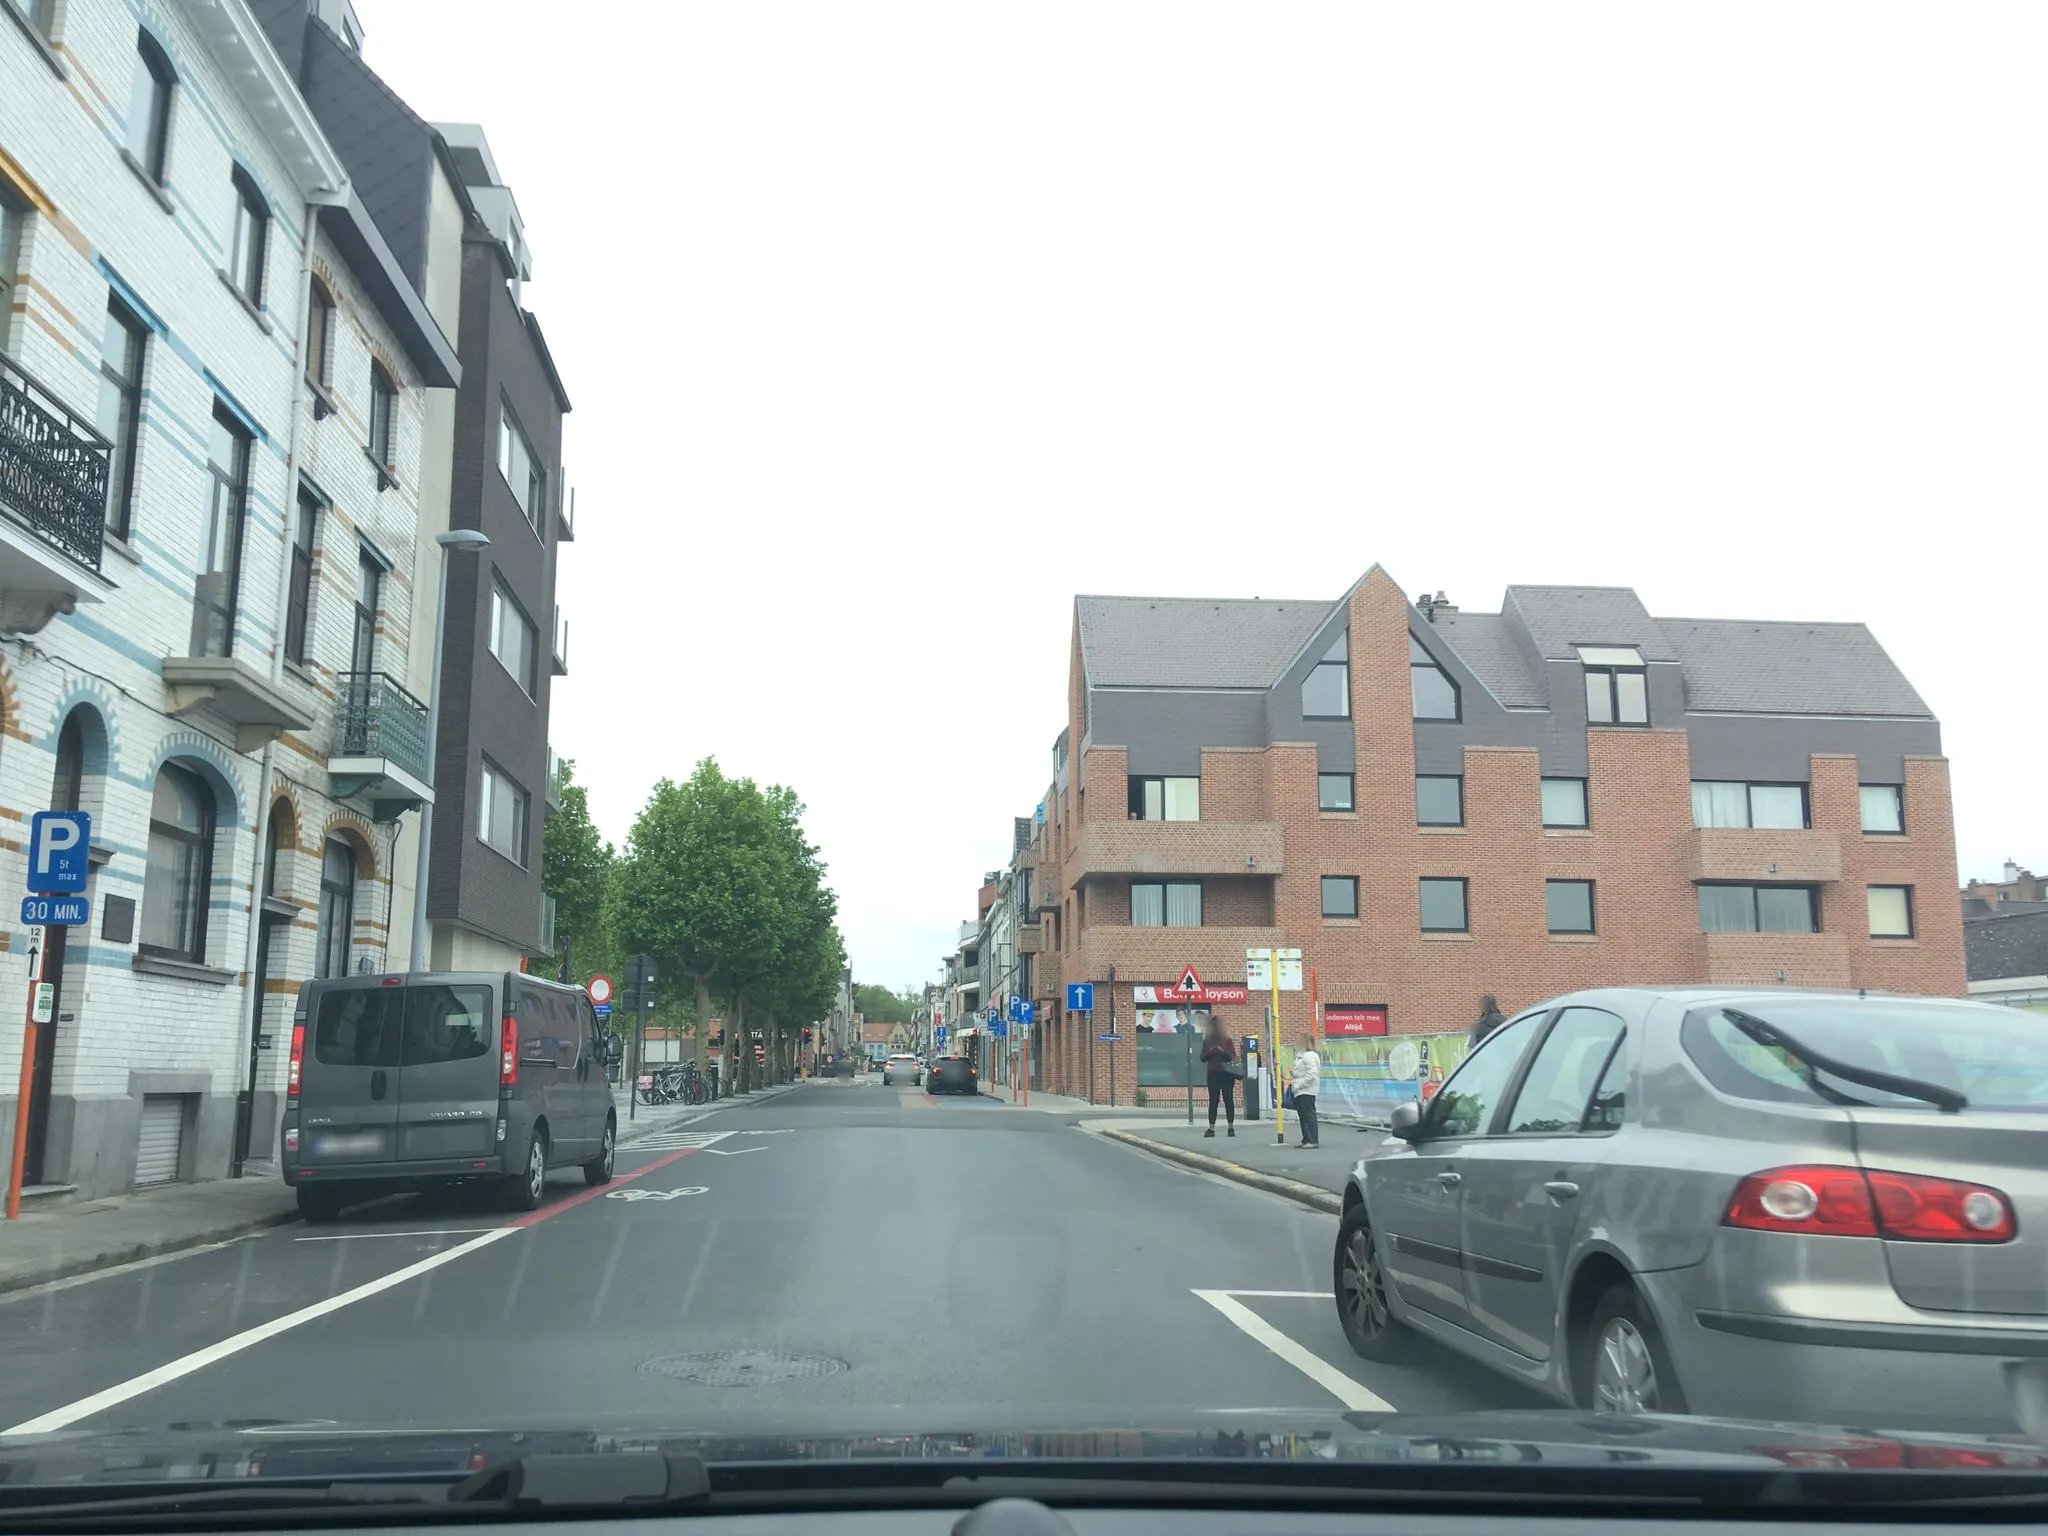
(1305, 1078)
(1490, 1019)
(1219, 1054)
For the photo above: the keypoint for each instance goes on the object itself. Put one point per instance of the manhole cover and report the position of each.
(743, 1367)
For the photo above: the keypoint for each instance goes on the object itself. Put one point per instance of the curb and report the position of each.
(87, 1264)
(1272, 1183)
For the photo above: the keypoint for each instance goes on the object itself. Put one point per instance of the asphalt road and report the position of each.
(842, 1257)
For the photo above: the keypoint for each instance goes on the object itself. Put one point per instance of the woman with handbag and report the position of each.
(1219, 1054)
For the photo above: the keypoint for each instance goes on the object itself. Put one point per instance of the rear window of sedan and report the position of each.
(1996, 1058)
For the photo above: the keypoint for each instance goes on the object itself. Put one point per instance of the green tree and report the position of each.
(576, 867)
(698, 889)
(880, 1005)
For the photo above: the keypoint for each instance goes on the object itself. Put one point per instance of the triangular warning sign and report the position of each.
(1190, 983)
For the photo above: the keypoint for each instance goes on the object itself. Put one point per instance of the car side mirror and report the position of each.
(1406, 1121)
(614, 1050)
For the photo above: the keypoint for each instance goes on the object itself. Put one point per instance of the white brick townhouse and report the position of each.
(213, 397)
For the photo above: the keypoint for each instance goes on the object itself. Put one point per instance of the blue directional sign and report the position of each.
(55, 911)
(938, 1034)
(999, 1029)
(1080, 997)
(58, 845)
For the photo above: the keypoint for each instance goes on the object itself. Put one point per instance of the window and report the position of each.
(1165, 799)
(1718, 803)
(1617, 685)
(1340, 896)
(336, 929)
(1439, 800)
(1891, 911)
(1172, 904)
(218, 586)
(1557, 1090)
(1564, 802)
(1610, 1098)
(1434, 695)
(1443, 906)
(67, 785)
(1466, 1103)
(1334, 791)
(120, 411)
(283, 833)
(1570, 904)
(149, 107)
(362, 653)
(1326, 691)
(1883, 807)
(179, 878)
(1757, 909)
(38, 14)
(320, 336)
(359, 1027)
(444, 1024)
(514, 641)
(383, 402)
(13, 226)
(519, 466)
(501, 814)
(251, 237)
(305, 531)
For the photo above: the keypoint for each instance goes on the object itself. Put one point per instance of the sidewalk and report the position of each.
(1313, 1176)
(56, 1242)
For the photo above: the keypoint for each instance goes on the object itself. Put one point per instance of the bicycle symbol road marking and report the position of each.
(657, 1194)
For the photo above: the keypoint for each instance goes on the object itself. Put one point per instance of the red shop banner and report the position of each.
(1346, 1021)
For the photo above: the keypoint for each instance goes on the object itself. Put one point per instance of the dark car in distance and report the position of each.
(952, 1074)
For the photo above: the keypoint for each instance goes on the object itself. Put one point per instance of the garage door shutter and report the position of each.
(163, 1136)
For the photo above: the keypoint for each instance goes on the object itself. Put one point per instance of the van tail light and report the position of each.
(292, 1072)
(1852, 1202)
(508, 1052)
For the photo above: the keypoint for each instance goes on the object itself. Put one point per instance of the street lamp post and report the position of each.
(470, 540)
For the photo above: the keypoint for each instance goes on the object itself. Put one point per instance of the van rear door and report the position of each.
(348, 1091)
(448, 1099)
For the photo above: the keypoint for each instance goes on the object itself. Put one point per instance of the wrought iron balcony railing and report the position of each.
(380, 719)
(53, 466)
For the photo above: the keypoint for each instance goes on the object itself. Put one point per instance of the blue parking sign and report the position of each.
(59, 845)
(1025, 1011)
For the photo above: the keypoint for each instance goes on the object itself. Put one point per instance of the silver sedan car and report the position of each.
(902, 1069)
(1796, 1205)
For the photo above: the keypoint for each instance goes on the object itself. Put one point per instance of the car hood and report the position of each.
(1561, 1438)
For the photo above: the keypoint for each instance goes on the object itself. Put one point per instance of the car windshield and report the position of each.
(1995, 1060)
(702, 740)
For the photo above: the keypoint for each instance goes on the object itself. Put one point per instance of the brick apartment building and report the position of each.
(1434, 805)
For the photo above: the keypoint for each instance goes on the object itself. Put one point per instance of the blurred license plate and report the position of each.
(347, 1143)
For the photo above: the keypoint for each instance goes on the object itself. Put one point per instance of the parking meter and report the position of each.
(1253, 1069)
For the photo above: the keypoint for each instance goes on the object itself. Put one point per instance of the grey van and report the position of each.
(439, 1077)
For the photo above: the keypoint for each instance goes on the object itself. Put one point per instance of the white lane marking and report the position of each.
(185, 1365)
(1295, 1295)
(71, 1282)
(670, 1141)
(734, 1151)
(349, 1237)
(1313, 1366)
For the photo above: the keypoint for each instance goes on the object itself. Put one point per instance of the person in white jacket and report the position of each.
(1305, 1077)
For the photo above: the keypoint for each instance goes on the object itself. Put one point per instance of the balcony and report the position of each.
(1156, 955)
(380, 745)
(1777, 959)
(561, 645)
(1178, 848)
(228, 686)
(1030, 939)
(1771, 855)
(53, 494)
(554, 790)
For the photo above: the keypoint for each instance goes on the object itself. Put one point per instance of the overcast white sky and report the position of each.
(891, 326)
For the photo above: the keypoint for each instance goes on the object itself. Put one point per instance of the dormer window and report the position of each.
(1326, 691)
(1617, 685)
(1435, 696)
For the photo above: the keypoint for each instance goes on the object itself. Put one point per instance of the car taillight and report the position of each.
(508, 1052)
(291, 1073)
(1850, 1202)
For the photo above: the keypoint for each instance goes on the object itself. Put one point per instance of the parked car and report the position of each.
(901, 1067)
(1793, 1205)
(410, 1080)
(952, 1074)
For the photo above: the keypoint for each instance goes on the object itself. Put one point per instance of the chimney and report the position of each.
(2013, 873)
(1432, 606)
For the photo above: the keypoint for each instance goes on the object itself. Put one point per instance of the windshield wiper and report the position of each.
(631, 1480)
(1765, 1033)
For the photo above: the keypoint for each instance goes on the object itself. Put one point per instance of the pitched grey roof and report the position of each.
(1558, 618)
(1192, 642)
(1488, 644)
(1767, 667)
(2015, 944)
